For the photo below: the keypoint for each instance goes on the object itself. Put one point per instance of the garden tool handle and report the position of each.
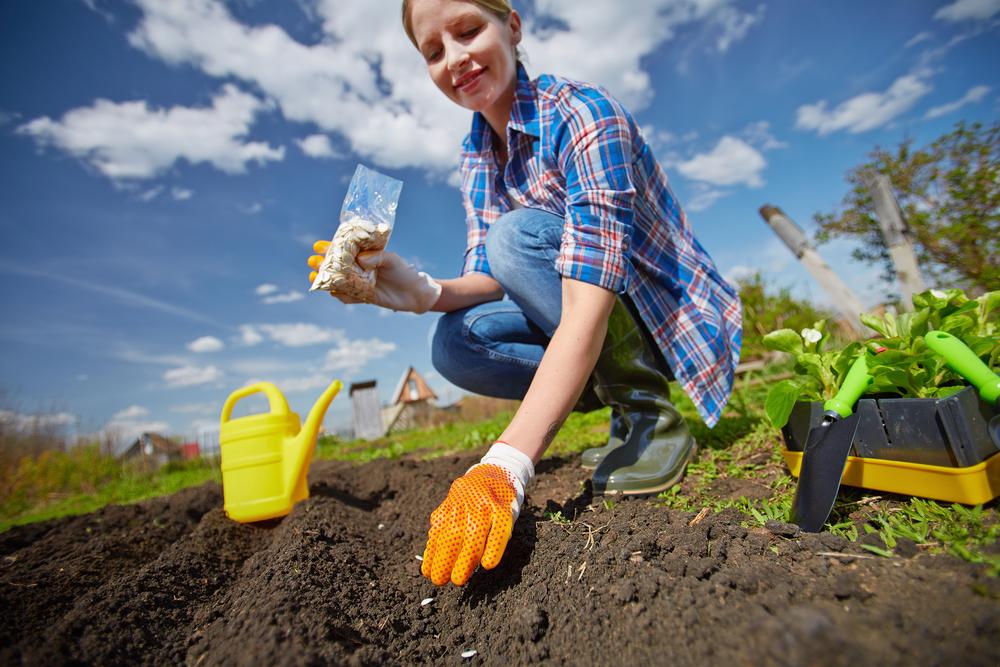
(853, 386)
(964, 361)
(279, 406)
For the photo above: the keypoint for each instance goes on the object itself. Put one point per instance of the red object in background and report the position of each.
(189, 450)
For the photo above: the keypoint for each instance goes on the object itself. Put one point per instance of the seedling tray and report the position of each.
(934, 448)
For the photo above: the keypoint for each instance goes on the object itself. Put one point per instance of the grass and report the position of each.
(123, 485)
(741, 454)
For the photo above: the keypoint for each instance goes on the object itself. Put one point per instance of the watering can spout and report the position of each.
(302, 445)
(315, 419)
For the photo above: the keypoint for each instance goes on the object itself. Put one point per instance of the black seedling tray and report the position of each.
(950, 432)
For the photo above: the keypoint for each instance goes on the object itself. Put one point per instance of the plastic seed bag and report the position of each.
(366, 221)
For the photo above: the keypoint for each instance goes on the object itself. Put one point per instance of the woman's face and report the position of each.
(469, 51)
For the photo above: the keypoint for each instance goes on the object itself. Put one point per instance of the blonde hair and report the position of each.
(500, 8)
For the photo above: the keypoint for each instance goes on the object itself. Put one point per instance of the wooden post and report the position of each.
(844, 300)
(898, 238)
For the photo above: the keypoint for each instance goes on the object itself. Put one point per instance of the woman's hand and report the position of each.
(474, 523)
(398, 285)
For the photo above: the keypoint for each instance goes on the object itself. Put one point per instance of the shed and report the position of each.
(411, 405)
(366, 413)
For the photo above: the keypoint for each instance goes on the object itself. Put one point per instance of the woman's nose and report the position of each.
(457, 58)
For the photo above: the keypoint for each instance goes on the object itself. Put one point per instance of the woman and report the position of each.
(609, 295)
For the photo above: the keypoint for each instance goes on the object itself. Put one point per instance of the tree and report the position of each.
(949, 193)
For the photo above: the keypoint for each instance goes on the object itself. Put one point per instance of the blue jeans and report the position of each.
(494, 348)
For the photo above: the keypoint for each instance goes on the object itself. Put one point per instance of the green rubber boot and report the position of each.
(591, 458)
(631, 377)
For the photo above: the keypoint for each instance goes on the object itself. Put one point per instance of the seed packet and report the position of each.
(366, 221)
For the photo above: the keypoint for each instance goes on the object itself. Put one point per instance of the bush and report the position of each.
(765, 310)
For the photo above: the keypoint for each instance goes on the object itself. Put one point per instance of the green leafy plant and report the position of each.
(899, 360)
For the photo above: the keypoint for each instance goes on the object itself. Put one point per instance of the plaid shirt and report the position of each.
(575, 152)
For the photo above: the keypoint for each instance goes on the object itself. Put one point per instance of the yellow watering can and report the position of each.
(265, 457)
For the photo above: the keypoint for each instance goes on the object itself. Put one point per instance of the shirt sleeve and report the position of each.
(595, 155)
(480, 211)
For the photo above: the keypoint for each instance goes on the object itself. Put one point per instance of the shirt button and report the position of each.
(624, 243)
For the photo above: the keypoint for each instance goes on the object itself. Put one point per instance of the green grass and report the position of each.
(128, 486)
(743, 449)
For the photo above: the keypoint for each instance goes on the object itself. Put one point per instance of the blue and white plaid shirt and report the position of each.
(576, 152)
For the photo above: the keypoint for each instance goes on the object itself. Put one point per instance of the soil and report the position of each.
(173, 581)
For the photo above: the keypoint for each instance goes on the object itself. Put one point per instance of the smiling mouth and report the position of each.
(468, 79)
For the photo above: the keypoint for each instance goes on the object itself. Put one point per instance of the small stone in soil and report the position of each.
(469, 653)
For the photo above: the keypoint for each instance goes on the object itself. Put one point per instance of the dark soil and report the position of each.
(173, 581)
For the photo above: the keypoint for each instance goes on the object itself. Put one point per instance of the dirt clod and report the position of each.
(173, 581)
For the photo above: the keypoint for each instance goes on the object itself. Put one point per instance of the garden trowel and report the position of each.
(826, 450)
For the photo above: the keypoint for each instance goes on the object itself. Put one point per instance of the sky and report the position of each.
(166, 166)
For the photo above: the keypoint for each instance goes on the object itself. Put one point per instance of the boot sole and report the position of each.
(659, 487)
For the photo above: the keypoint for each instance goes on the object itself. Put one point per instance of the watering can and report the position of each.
(265, 457)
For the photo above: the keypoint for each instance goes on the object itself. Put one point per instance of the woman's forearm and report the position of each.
(564, 370)
(465, 291)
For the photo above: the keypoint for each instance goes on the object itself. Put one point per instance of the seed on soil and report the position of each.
(426, 601)
(419, 557)
(381, 526)
(469, 653)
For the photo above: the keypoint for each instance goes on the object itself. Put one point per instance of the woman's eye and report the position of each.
(471, 32)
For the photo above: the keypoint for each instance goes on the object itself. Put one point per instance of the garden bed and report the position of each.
(172, 581)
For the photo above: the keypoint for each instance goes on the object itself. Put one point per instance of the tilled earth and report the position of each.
(173, 581)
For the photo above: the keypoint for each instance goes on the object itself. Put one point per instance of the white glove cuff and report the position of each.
(430, 292)
(518, 464)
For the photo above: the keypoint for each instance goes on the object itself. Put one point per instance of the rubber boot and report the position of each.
(591, 458)
(589, 402)
(631, 377)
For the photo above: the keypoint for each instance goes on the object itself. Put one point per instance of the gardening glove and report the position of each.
(475, 521)
(398, 285)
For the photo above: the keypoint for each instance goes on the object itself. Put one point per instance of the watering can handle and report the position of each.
(279, 406)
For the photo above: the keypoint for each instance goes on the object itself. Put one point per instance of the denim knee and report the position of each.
(447, 340)
(521, 233)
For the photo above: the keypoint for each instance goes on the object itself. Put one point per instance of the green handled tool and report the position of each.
(964, 361)
(825, 453)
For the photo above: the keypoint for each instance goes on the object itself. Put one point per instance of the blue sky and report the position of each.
(166, 166)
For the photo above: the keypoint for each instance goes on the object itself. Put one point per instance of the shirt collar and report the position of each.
(523, 115)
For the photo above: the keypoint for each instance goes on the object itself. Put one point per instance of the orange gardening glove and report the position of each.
(474, 523)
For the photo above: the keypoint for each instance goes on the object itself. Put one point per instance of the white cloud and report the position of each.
(703, 198)
(866, 111)
(759, 135)
(181, 194)
(292, 334)
(965, 10)
(287, 297)
(131, 412)
(128, 140)
(352, 355)
(973, 96)
(365, 83)
(735, 25)
(731, 162)
(187, 376)
(918, 38)
(265, 289)
(151, 194)
(205, 344)
(249, 335)
(317, 145)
